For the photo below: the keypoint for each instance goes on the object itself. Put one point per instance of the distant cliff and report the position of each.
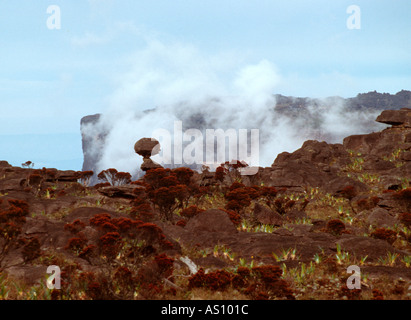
(308, 112)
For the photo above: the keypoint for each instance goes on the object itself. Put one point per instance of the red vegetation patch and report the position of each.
(190, 211)
(75, 227)
(100, 219)
(368, 203)
(348, 192)
(262, 282)
(385, 234)
(31, 249)
(164, 264)
(377, 295)
(216, 280)
(234, 216)
(181, 223)
(76, 244)
(335, 226)
(85, 176)
(405, 219)
(110, 244)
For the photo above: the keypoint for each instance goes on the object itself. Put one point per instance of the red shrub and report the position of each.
(405, 219)
(123, 277)
(220, 173)
(183, 175)
(165, 190)
(240, 278)
(110, 244)
(74, 227)
(99, 219)
(87, 252)
(385, 234)
(85, 177)
(348, 192)
(165, 265)
(377, 295)
(108, 226)
(283, 205)
(31, 249)
(76, 244)
(404, 198)
(108, 175)
(190, 211)
(216, 280)
(268, 274)
(234, 216)
(236, 185)
(181, 223)
(368, 203)
(268, 194)
(335, 226)
(238, 199)
(20, 207)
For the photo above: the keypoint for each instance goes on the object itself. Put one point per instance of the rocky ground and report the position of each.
(288, 232)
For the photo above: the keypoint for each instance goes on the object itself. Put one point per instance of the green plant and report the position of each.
(243, 263)
(407, 261)
(4, 290)
(342, 256)
(389, 259)
(289, 254)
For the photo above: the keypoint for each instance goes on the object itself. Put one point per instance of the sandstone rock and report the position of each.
(400, 117)
(85, 213)
(4, 164)
(212, 220)
(149, 164)
(67, 176)
(366, 246)
(147, 147)
(406, 156)
(265, 215)
(380, 217)
(124, 191)
(295, 214)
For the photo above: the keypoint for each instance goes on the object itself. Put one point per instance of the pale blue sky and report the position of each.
(49, 79)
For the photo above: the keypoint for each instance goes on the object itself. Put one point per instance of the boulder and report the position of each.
(380, 217)
(147, 147)
(124, 191)
(4, 164)
(209, 221)
(265, 215)
(149, 164)
(366, 246)
(400, 117)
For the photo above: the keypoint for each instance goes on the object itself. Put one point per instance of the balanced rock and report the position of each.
(147, 147)
(400, 117)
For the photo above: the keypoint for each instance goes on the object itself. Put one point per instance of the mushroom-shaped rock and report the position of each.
(149, 164)
(147, 147)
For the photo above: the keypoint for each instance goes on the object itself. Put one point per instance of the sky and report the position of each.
(55, 69)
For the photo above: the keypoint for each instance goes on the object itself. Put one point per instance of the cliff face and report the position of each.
(91, 135)
(308, 113)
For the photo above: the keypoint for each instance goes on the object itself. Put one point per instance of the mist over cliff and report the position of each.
(284, 123)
